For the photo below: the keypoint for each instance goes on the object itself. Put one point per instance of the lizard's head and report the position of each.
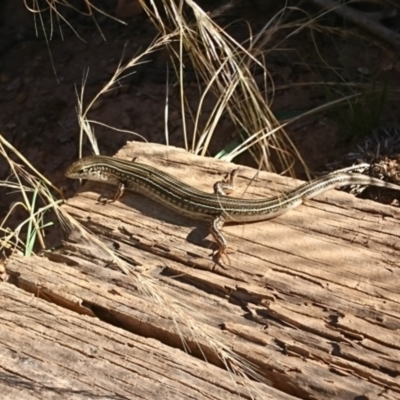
(92, 167)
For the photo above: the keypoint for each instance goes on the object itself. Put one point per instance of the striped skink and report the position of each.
(215, 208)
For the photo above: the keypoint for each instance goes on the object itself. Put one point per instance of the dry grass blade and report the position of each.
(224, 65)
(27, 183)
(123, 71)
(52, 9)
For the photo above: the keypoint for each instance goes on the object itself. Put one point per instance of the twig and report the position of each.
(362, 20)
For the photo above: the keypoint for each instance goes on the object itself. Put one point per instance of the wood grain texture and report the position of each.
(311, 298)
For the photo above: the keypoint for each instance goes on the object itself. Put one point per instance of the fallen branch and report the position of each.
(362, 20)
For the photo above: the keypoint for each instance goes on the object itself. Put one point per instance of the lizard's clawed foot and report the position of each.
(223, 251)
(104, 200)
